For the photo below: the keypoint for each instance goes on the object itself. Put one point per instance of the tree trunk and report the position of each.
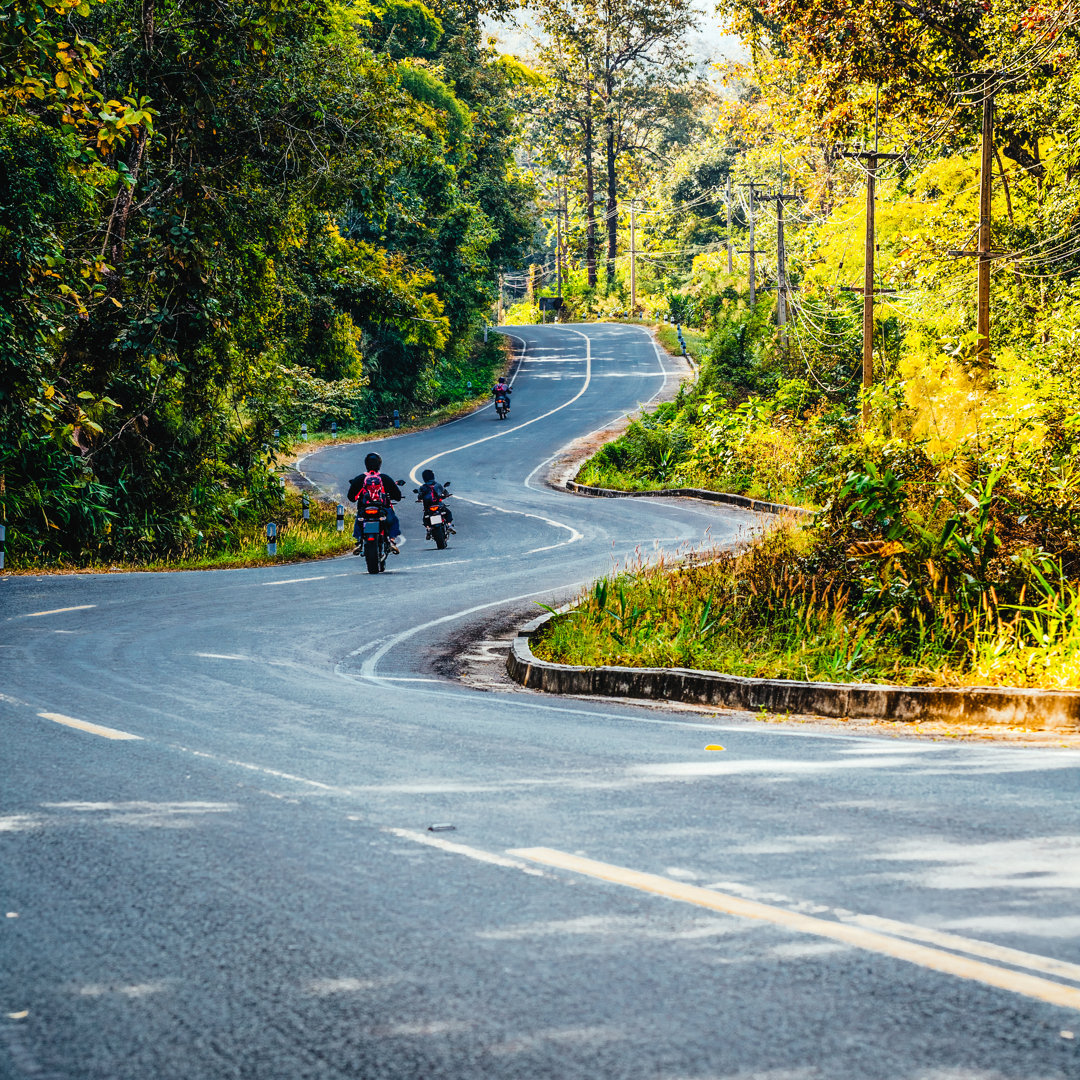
(590, 200)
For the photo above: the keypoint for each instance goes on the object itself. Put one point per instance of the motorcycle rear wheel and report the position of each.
(371, 555)
(438, 534)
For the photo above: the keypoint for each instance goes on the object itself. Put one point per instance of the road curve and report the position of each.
(216, 791)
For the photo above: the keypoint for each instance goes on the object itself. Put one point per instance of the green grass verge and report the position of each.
(298, 541)
(767, 614)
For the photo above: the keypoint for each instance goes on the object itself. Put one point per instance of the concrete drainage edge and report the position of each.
(1032, 709)
(693, 493)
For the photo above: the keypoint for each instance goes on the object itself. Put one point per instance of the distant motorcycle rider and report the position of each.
(432, 493)
(373, 463)
(502, 389)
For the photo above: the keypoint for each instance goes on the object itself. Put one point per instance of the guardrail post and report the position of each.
(271, 539)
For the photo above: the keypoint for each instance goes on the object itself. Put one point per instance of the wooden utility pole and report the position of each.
(751, 250)
(781, 270)
(985, 174)
(633, 259)
(872, 158)
(558, 250)
(727, 204)
(500, 298)
(984, 254)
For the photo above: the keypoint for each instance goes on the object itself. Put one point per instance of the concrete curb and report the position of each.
(693, 493)
(1033, 709)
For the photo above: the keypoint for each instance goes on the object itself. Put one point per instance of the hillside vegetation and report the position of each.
(946, 540)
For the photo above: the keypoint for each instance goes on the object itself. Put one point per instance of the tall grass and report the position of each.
(768, 613)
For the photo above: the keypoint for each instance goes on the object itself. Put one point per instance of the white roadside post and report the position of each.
(306, 503)
(3, 540)
(303, 431)
(271, 539)
(340, 517)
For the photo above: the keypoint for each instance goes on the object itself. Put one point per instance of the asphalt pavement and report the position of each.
(249, 829)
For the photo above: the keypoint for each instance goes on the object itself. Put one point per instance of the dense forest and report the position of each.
(220, 219)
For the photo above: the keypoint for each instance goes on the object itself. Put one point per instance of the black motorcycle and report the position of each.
(435, 519)
(374, 537)
(502, 406)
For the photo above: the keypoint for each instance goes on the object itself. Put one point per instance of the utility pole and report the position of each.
(727, 204)
(751, 250)
(500, 298)
(781, 269)
(558, 250)
(984, 254)
(985, 175)
(633, 260)
(872, 159)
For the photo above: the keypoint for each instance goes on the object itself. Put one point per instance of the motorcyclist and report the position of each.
(502, 389)
(432, 493)
(373, 464)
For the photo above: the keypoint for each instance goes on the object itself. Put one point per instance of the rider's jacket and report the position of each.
(432, 493)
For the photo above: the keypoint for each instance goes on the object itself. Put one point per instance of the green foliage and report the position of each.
(219, 220)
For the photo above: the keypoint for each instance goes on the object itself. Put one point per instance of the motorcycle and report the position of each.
(502, 406)
(374, 536)
(435, 518)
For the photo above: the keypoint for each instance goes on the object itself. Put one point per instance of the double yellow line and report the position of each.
(861, 937)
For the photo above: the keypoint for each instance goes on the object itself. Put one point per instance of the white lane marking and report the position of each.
(574, 534)
(14, 700)
(277, 773)
(958, 943)
(469, 852)
(221, 656)
(368, 669)
(295, 580)
(85, 725)
(535, 420)
(871, 941)
(407, 678)
(58, 611)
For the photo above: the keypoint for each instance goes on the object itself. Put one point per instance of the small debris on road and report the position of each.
(441, 828)
(714, 746)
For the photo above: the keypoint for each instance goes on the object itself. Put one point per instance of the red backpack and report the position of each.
(373, 493)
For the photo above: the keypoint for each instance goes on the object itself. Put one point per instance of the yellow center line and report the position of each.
(58, 611)
(85, 725)
(986, 949)
(860, 937)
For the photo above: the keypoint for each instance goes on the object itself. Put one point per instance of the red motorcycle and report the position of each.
(374, 537)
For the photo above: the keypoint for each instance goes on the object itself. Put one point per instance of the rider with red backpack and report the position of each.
(380, 488)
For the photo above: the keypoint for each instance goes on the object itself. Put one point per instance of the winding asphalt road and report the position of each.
(216, 792)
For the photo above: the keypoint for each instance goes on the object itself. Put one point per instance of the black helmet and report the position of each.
(373, 462)
(428, 476)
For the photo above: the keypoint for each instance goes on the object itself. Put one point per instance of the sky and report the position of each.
(517, 34)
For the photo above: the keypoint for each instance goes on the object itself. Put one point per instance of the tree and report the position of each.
(618, 74)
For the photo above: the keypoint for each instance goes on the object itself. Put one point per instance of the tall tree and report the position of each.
(618, 73)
